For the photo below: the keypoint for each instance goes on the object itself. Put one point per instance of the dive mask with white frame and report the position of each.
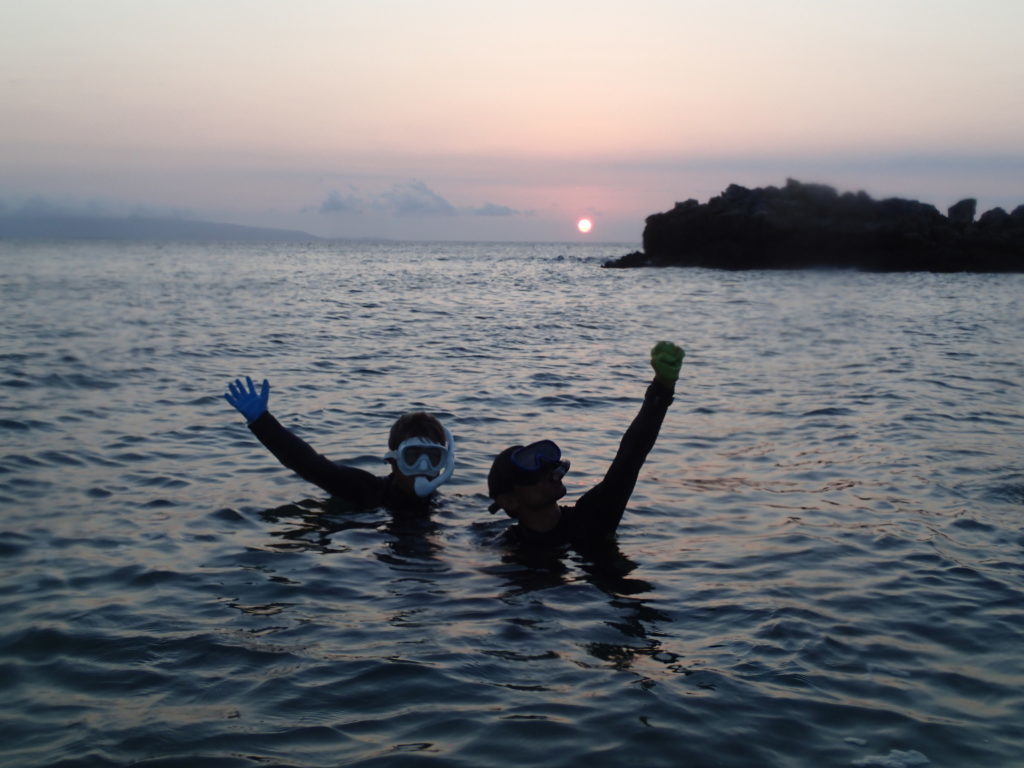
(429, 462)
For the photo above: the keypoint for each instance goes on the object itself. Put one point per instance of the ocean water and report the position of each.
(822, 564)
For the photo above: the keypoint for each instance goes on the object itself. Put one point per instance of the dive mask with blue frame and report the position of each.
(536, 461)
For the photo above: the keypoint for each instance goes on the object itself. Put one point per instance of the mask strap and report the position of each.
(424, 487)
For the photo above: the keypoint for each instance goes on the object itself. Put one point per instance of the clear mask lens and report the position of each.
(536, 456)
(419, 456)
(413, 455)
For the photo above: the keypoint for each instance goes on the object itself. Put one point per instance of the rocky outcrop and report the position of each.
(811, 225)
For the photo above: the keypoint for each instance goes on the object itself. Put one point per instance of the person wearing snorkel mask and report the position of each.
(526, 481)
(421, 454)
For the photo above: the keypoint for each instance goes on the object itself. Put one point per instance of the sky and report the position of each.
(472, 120)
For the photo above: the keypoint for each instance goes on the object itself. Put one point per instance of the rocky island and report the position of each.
(811, 225)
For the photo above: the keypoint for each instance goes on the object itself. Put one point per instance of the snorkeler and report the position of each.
(421, 453)
(526, 481)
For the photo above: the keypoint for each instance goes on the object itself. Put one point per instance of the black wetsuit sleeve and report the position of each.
(600, 509)
(349, 483)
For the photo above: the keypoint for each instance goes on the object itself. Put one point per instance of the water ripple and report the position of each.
(821, 563)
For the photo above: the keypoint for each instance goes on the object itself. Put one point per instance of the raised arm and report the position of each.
(349, 483)
(603, 505)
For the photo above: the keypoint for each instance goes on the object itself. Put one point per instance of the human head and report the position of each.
(526, 477)
(421, 453)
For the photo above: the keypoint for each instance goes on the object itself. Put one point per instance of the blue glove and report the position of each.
(249, 403)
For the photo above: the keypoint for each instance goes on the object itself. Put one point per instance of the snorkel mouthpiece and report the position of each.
(425, 487)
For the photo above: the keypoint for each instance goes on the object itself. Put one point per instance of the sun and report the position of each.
(584, 225)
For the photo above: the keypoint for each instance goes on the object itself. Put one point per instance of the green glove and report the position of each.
(666, 360)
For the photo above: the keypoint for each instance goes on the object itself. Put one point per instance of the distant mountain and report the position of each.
(70, 227)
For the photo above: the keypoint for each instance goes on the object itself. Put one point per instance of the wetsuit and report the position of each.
(355, 486)
(596, 515)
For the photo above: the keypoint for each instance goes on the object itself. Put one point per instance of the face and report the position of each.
(418, 457)
(548, 490)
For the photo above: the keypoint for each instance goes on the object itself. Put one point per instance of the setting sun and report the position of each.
(584, 225)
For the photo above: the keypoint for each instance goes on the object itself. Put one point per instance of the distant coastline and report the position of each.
(77, 227)
(803, 226)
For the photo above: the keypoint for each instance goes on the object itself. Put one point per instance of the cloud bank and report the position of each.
(408, 198)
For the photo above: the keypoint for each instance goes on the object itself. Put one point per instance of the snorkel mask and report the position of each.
(422, 458)
(537, 461)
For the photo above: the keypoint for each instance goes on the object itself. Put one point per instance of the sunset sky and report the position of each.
(471, 120)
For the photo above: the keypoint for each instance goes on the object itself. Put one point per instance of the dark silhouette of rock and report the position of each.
(961, 215)
(811, 225)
